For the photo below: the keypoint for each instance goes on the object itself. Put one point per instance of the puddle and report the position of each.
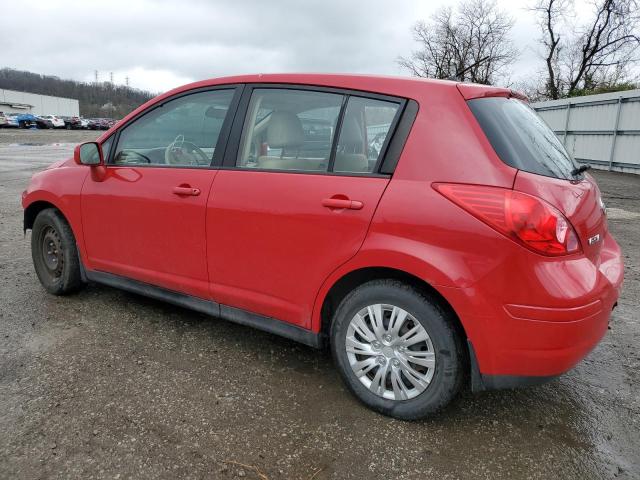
(620, 214)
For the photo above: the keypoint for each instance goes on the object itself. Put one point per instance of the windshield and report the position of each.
(521, 138)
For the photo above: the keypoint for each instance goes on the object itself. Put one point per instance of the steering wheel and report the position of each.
(180, 152)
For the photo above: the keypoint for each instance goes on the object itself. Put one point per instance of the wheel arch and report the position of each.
(353, 278)
(36, 202)
(32, 210)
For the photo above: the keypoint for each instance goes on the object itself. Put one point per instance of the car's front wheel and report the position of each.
(54, 253)
(397, 349)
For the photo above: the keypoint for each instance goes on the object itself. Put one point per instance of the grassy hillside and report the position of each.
(96, 100)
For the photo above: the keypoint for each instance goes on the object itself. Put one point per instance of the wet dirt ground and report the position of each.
(107, 384)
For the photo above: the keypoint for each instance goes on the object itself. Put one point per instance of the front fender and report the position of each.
(59, 187)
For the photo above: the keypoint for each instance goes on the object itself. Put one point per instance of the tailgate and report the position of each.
(579, 201)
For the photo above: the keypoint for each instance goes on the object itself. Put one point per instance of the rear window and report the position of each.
(521, 138)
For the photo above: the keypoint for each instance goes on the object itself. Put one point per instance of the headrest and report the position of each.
(351, 133)
(284, 130)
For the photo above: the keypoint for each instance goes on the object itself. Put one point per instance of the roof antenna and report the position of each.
(458, 76)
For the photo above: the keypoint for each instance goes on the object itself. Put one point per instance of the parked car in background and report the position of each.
(56, 121)
(72, 123)
(3, 120)
(107, 123)
(43, 122)
(431, 233)
(100, 123)
(24, 120)
(12, 121)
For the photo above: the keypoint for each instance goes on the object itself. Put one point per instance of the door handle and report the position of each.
(186, 191)
(339, 203)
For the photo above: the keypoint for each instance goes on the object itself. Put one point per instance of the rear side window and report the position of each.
(521, 138)
(364, 132)
(289, 130)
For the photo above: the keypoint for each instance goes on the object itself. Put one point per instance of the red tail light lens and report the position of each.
(524, 218)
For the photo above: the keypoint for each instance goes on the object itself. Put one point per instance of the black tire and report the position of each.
(449, 373)
(54, 253)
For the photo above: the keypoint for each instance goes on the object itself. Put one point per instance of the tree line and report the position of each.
(472, 43)
(96, 99)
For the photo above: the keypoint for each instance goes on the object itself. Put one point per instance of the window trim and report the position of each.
(221, 143)
(399, 138)
(336, 134)
(235, 137)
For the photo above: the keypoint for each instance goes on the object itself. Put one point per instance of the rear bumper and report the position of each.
(529, 335)
(480, 382)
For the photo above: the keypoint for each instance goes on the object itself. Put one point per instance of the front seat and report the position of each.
(285, 131)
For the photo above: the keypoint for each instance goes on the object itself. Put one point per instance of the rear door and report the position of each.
(144, 218)
(295, 198)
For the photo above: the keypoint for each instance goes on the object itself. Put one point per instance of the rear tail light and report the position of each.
(524, 218)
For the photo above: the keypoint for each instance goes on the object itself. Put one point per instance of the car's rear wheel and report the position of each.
(54, 253)
(397, 349)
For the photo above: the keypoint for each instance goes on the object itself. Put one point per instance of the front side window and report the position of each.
(106, 147)
(365, 128)
(181, 132)
(289, 130)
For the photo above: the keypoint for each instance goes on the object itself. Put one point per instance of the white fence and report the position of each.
(602, 130)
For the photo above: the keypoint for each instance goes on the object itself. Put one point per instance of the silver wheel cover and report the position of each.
(390, 352)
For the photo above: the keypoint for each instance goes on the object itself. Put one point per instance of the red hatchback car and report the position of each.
(431, 232)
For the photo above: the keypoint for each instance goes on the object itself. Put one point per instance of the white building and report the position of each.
(22, 102)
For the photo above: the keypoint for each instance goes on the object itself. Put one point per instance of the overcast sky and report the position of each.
(161, 44)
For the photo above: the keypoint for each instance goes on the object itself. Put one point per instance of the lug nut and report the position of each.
(395, 363)
(381, 360)
(386, 338)
(375, 345)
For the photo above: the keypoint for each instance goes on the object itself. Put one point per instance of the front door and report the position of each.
(295, 204)
(145, 217)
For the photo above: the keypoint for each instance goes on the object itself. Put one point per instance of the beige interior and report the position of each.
(285, 131)
(350, 156)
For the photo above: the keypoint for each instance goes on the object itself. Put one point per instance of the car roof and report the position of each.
(408, 87)
(392, 85)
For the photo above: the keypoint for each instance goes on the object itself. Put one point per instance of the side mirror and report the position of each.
(88, 153)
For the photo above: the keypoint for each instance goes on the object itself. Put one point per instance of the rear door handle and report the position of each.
(186, 191)
(342, 203)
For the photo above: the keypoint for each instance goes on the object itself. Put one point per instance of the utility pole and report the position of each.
(95, 73)
(126, 81)
(111, 77)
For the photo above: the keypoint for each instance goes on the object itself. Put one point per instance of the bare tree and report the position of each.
(469, 43)
(595, 55)
(551, 13)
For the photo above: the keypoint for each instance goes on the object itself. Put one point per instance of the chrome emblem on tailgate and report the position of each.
(594, 239)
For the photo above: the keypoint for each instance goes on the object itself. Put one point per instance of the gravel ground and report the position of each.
(107, 384)
(46, 137)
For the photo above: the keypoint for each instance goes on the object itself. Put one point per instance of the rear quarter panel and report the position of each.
(417, 230)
